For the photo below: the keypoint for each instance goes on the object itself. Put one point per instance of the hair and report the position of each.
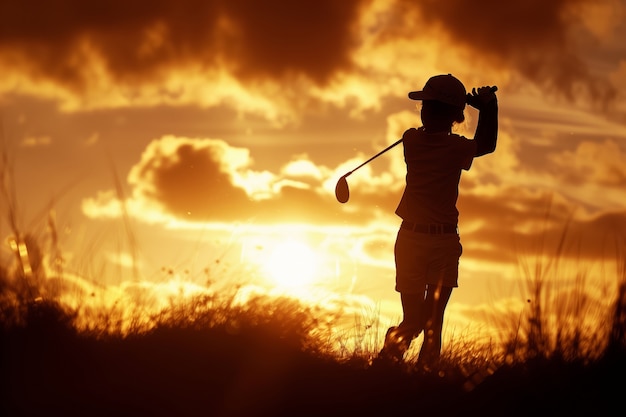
(443, 114)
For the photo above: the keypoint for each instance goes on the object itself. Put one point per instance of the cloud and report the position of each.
(270, 58)
(310, 37)
(136, 49)
(141, 39)
(523, 222)
(583, 164)
(191, 178)
(207, 180)
(535, 38)
(303, 168)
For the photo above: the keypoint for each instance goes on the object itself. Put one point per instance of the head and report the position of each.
(438, 116)
(443, 101)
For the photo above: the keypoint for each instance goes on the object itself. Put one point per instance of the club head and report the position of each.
(341, 190)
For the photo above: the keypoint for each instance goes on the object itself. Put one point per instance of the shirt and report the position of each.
(434, 164)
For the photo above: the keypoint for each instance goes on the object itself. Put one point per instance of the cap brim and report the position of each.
(419, 95)
(423, 95)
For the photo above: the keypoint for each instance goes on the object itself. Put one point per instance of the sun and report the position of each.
(291, 264)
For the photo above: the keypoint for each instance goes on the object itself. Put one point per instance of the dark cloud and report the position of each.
(191, 183)
(534, 37)
(525, 224)
(276, 37)
(139, 40)
(142, 41)
(193, 179)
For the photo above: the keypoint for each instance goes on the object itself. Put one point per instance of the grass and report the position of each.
(209, 355)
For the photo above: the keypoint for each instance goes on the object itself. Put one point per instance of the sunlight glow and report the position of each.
(292, 263)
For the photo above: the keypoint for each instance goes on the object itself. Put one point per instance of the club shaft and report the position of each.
(375, 156)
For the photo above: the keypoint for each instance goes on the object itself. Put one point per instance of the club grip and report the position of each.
(493, 89)
(470, 96)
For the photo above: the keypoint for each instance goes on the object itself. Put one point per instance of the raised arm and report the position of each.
(486, 102)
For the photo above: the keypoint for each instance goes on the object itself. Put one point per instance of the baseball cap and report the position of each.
(445, 88)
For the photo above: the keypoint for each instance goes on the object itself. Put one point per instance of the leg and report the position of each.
(398, 339)
(414, 317)
(435, 303)
(411, 267)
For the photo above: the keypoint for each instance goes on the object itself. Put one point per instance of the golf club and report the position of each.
(342, 192)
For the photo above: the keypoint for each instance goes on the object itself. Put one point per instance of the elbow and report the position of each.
(485, 148)
(486, 138)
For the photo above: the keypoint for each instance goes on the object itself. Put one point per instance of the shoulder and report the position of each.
(412, 132)
(463, 146)
(459, 137)
(462, 139)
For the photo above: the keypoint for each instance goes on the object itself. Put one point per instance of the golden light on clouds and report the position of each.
(239, 55)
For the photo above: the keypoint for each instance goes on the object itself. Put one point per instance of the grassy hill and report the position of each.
(264, 358)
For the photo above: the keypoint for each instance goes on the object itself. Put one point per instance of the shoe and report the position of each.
(396, 345)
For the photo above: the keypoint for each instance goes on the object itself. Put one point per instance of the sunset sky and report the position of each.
(202, 139)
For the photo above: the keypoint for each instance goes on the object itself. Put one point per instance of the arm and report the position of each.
(487, 128)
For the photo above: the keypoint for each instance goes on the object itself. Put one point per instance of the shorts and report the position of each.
(426, 259)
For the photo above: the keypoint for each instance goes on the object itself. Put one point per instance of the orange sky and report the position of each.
(224, 126)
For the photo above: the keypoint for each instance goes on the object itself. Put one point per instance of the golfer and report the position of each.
(428, 247)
